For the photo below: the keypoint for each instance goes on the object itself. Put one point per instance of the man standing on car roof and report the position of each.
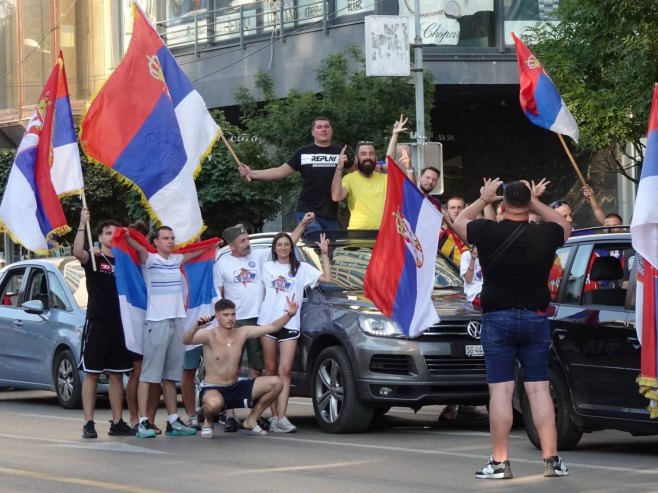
(103, 343)
(516, 258)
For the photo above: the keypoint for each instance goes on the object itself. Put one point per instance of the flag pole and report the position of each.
(575, 166)
(92, 256)
(230, 149)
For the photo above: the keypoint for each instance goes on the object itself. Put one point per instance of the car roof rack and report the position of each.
(597, 230)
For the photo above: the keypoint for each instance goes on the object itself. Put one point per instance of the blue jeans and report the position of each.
(508, 335)
(319, 223)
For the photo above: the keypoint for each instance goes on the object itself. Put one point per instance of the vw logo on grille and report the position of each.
(474, 328)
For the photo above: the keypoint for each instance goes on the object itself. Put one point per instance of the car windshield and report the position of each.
(348, 267)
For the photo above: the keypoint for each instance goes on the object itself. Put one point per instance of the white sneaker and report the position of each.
(283, 425)
(273, 422)
(193, 422)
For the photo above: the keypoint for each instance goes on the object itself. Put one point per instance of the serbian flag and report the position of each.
(150, 127)
(199, 290)
(540, 100)
(47, 166)
(644, 235)
(400, 276)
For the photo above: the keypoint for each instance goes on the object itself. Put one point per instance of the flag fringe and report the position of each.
(649, 389)
(62, 230)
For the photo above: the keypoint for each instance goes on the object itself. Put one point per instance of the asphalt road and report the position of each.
(41, 450)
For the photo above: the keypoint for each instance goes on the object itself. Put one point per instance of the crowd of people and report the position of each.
(503, 242)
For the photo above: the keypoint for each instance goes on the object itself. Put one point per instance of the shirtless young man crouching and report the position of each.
(222, 352)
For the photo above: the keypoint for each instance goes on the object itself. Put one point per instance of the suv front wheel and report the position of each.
(337, 408)
(568, 434)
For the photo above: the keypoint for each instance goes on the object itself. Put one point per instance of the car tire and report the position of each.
(335, 402)
(568, 434)
(66, 377)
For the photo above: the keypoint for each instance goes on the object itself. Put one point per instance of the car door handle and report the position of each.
(18, 323)
(634, 341)
(561, 333)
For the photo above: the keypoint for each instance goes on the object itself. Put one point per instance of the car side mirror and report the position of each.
(34, 306)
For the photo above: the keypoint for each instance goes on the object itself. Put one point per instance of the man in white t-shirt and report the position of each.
(238, 278)
(163, 328)
(471, 273)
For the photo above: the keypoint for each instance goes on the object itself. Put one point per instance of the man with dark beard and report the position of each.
(365, 189)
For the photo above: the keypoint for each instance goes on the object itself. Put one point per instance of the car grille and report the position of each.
(446, 365)
(393, 364)
(448, 328)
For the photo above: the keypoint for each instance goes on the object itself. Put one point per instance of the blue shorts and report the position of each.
(319, 223)
(235, 396)
(511, 335)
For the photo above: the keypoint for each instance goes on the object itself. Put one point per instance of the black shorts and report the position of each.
(284, 335)
(235, 396)
(104, 348)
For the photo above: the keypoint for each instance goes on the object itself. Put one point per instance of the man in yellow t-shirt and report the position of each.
(364, 189)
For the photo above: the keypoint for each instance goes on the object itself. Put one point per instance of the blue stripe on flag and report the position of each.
(177, 82)
(650, 163)
(549, 103)
(63, 130)
(407, 291)
(156, 155)
(199, 277)
(130, 283)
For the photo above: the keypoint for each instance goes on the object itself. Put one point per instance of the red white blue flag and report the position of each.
(644, 234)
(400, 276)
(199, 290)
(46, 167)
(150, 127)
(540, 100)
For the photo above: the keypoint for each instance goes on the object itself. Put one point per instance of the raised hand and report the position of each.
(292, 305)
(342, 158)
(323, 244)
(245, 171)
(399, 126)
(539, 188)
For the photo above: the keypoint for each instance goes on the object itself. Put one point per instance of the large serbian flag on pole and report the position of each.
(47, 166)
(199, 290)
(400, 276)
(150, 126)
(644, 234)
(540, 100)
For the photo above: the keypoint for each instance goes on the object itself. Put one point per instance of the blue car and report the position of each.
(42, 314)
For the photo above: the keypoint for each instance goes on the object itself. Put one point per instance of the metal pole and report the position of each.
(418, 82)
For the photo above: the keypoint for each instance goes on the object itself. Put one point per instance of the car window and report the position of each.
(557, 271)
(349, 263)
(58, 293)
(599, 275)
(37, 287)
(11, 287)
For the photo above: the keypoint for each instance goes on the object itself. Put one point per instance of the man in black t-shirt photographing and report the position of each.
(316, 163)
(103, 342)
(516, 258)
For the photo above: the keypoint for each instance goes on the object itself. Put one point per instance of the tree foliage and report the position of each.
(603, 56)
(360, 107)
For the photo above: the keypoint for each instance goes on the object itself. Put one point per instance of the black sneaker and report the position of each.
(231, 424)
(89, 430)
(555, 468)
(495, 471)
(121, 429)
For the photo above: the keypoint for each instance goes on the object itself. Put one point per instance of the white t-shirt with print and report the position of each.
(164, 287)
(240, 279)
(473, 288)
(279, 284)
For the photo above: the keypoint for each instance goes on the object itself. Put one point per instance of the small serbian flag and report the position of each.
(151, 128)
(400, 276)
(46, 167)
(199, 291)
(540, 100)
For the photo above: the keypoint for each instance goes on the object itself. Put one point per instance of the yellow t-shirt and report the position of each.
(365, 199)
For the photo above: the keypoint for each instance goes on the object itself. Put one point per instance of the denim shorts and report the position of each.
(319, 223)
(511, 335)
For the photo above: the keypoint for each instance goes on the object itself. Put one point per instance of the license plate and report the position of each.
(473, 350)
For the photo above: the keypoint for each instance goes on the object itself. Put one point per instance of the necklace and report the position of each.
(229, 344)
(108, 262)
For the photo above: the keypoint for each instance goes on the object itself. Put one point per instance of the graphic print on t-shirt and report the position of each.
(244, 276)
(282, 283)
(319, 160)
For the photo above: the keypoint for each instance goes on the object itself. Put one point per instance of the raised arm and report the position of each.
(596, 208)
(278, 173)
(142, 253)
(324, 255)
(79, 243)
(487, 196)
(193, 336)
(338, 192)
(297, 233)
(254, 331)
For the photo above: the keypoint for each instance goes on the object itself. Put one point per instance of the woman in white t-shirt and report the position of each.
(471, 272)
(284, 278)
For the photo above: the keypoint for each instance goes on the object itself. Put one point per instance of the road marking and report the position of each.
(102, 446)
(79, 481)
(460, 454)
(50, 416)
(301, 468)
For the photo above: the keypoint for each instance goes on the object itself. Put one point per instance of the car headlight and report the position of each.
(376, 325)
